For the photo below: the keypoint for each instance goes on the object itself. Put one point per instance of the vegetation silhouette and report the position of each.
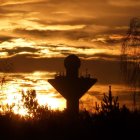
(111, 121)
(109, 103)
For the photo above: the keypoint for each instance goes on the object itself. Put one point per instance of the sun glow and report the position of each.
(15, 101)
(14, 85)
(52, 102)
(11, 95)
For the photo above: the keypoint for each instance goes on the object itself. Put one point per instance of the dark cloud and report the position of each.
(107, 56)
(54, 34)
(26, 63)
(67, 12)
(5, 38)
(17, 50)
(91, 13)
(105, 70)
(31, 33)
(85, 34)
(71, 34)
(6, 12)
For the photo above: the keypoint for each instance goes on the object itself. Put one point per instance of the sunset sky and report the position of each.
(36, 35)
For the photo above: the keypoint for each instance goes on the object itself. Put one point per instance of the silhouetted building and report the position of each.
(71, 86)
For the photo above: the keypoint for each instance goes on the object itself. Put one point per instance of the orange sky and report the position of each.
(35, 35)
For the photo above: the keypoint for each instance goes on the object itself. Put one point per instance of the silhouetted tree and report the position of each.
(97, 107)
(109, 103)
(35, 110)
(30, 102)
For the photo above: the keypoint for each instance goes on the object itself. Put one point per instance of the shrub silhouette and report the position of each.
(35, 111)
(29, 101)
(109, 102)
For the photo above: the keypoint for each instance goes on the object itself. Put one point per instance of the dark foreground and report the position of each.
(58, 125)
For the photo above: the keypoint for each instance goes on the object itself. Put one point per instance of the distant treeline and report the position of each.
(108, 122)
